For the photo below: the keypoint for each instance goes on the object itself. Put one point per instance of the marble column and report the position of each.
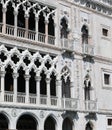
(15, 23)
(2, 74)
(48, 90)
(46, 31)
(36, 28)
(27, 77)
(26, 25)
(15, 76)
(4, 20)
(38, 78)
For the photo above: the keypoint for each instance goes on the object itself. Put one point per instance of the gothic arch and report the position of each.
(89, 126)
(67, 124)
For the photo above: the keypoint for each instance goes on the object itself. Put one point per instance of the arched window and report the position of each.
(85, 33)
(67, 124)
(1, 13)
(49, 124)
(31, 20)
(21, 18)
(41, 27)
(53, 85)
(43, 90)
(3, 122)
(10, 14)
(26, 122)
(21, 81)
(66, 92)
(64, 28)
(8, 79)
(89, 126)
(51, 26)
(87, 87)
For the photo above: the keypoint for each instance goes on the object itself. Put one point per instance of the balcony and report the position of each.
(42, 101)
(88, 50)
(91, 105)
(27, 34)
(105, 2)
(70, 104)
(67, 45)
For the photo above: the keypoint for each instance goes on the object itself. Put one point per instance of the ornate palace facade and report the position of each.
(55, 64)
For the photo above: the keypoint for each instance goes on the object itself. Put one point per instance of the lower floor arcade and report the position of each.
(42, 120)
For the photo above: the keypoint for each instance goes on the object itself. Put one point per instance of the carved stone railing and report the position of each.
(21, 97)
(70, 104)
(9, 29)
(107, 2)
(88, 49)
(67, 44)
(91, 105)
(32, 98)
(8, 96)
(54, 101)
(51, 39)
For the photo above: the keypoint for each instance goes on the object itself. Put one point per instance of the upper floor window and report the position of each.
(106, 79)
(84, 31)
(104, 32)
(64, 28)
(109, 122)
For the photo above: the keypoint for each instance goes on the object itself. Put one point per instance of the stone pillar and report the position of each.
(48, 90)
(38, 78)
(15, 23)
(59, 92)
(36, 28)
(27, 77)
(2, 74)
(72, 89)
(4, 20)
(26, 26)
(46, 31)
(15, 76)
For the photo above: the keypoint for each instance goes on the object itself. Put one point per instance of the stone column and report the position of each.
(36, 28)
(27, 77)
(15, 23)
(38, 78)
(4, 20)
(46, 31)
(72, 89)
(48, 90)
(26, 25)
(2, 74)
(15, 76)
(59, 92)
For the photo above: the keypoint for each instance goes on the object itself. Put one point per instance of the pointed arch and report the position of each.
(4, 121)
(89, 126)
(67, 124)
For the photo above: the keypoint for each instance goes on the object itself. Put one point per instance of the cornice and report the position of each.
(96, 5)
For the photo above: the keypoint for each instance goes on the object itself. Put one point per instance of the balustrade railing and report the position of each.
(67, 44)
(1, 27)
(43, 99)
(54, 101)
(21, 32)
(8, 96)
(88, 49)
(108, 2)
(51, 39)
(70, 103)
(32, 98)
(91, 105)
(31, 35)
(9, 29)
(41, 37)
(21, 97)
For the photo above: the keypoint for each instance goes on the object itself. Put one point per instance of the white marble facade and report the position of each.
(55, 64)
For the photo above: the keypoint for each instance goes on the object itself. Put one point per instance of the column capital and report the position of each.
(46, 21)
(27, 77)
(15, 12)
(58, 82)
(37, 78)
(2, 73)
(4, 9)
(48, 80)
(15, 75)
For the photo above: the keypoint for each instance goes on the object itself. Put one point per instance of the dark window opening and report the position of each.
(32, 82)
(64, 28)
(41, 27)
(26, 61)
(26, 122)
(104, 32)
(8, 79)
(31, 20)
(1, 14)
(88, 126)
(3, 57)
(66, 88)
(21, 18)
(53, 85)
(106, 79)
(109, 122)
(49, 124)
(21, 81)
(37, 63)
(67, 124)
(15, 58)
(43, 83)
(3, 122)
(51, 26)
(84, 31)
(48, 65)
(10, 14)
